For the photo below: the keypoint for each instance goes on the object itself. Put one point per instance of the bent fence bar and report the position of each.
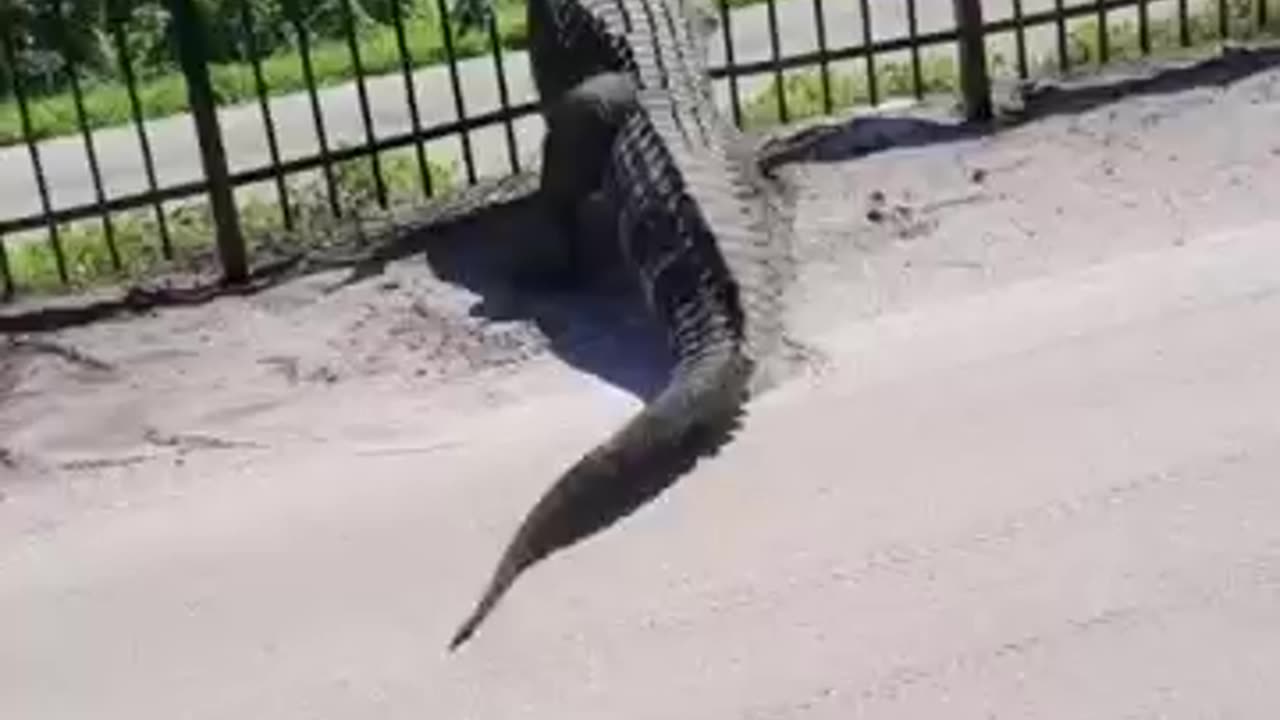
(966, 33)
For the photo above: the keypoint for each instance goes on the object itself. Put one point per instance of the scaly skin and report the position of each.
(630, 113)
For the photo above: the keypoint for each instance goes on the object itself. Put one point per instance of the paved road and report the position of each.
(1053, 500)
(174, 144)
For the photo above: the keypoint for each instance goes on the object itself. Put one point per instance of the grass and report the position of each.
(107, 100)
(33, 265)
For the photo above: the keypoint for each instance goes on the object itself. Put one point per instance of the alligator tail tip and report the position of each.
(464, 634)
(472, 623)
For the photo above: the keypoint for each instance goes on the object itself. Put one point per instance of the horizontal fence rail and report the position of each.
(76, 87)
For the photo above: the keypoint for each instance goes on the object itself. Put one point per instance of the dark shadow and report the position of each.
(827, 142)
(1074, 97)
(861, 136)
(597, 324)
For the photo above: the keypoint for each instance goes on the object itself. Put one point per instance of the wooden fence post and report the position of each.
(189, 24)
(975, 84)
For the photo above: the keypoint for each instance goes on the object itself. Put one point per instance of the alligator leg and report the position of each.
(581, 126)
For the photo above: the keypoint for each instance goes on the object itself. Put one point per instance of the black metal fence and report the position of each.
(959, 30)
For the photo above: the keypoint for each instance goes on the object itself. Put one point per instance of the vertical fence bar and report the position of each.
(1184, 28)
(33, 150)
(1224, 28)
(913, 33)
(1144, 27)
(294, 14)
(975, 84)
(1020, 39)
(873, 91)
(459, 105)
(775, 53)
(86, 134)
(362, 96)
(6, 275)
(117, 19)
(735, 98)
(189, 23)
(820, 27)
(1104, 35)
(1263, 20)
(504, 97)
(411, 97)
(264, 108)
(1064, 60)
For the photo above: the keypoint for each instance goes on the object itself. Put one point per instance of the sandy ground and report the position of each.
(1032, 474)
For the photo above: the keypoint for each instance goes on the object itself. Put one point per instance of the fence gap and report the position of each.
(117, 20)
(411, 98)
(504, 98)
(300, 33)
(264, 108)
(362, 97)
(33, 151)
(72, 71)
(459, 104)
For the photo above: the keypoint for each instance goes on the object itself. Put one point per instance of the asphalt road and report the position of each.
(1056, 499)
(176, 153)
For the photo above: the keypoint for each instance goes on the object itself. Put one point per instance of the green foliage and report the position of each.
(45, 35)
(44, 39)
(146, 31)
(162, 91)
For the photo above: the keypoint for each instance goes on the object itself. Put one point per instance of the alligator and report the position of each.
(553, 261)
(629, 113)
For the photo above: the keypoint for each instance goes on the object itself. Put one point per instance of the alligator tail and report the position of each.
(693, 416)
